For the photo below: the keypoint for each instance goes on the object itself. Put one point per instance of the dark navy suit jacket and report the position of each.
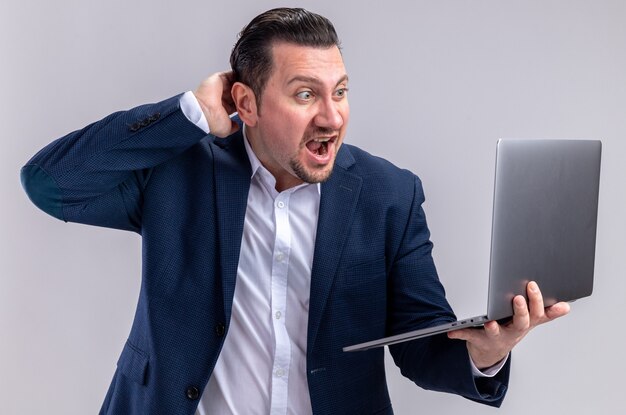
(151, 171)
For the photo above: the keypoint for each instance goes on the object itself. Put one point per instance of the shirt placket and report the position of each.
(280, 267)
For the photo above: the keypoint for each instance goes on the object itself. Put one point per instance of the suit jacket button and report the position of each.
(134, 127)
(192, 393)
(220, 329)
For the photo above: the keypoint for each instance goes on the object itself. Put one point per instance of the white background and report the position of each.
(433, 85)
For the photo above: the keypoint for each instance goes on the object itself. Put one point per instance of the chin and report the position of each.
(312, 175)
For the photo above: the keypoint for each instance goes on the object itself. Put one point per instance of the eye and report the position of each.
(305, 95)
(341, 92)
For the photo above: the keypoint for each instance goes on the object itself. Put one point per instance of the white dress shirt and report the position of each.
(262, 366)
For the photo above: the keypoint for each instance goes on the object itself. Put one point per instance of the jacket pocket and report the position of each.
(133, 363)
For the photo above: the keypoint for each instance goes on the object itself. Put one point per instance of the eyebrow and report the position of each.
(314, 80)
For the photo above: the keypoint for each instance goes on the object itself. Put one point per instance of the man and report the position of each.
(327, 244)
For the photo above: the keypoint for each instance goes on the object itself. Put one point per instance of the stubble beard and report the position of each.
(310, 176)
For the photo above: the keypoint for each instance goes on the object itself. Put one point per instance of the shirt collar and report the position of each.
(258, 168)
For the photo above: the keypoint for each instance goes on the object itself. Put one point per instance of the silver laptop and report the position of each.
(544, 228)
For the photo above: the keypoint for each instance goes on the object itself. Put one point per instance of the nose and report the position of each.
(330, 114)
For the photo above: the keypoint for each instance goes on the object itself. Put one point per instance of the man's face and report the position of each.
(303, 114)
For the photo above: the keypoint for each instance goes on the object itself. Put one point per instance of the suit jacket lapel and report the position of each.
(337, 204)
(232, 182)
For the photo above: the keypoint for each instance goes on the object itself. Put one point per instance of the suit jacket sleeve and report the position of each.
(435, 363)
(96, 175)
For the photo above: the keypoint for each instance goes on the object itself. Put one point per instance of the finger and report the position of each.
(228, 101)
(492, 329)
(557, 310)
(463, 334)
(213, 89)
(521, 316)
(535, 303)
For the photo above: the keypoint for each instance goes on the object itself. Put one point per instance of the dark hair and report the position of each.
(251, 57)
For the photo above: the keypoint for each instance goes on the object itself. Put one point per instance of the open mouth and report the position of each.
(321, 147)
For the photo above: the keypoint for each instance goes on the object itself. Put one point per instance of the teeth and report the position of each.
(322, 140)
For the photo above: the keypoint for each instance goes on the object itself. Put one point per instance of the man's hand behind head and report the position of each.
(215, 99)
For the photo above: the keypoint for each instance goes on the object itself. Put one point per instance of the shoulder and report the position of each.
(377, 172)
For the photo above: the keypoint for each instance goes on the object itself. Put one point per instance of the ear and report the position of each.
(245, 102)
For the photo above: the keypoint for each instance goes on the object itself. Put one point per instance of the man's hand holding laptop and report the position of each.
(493, 342)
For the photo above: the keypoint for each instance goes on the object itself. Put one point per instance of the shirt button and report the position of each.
(220, 329)
(280, 256)
(278, 315)
(280, 204)
(280, 373)
(192, 393)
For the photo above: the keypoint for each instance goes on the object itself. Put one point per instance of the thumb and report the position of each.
(461, 334)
